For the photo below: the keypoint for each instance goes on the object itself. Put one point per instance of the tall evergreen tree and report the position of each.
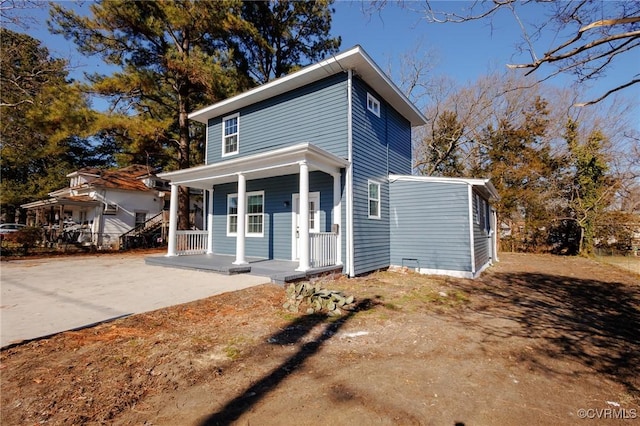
(177, 56)
(519, 160)
(589, 186)
(45, 122)
(285, 35)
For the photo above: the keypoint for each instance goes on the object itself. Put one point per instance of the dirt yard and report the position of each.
(536, 340)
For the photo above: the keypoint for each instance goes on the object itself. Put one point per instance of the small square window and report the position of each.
(374, 200)
(230, 134)
(373, 105)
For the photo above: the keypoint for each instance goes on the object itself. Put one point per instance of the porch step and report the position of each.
(289, 277)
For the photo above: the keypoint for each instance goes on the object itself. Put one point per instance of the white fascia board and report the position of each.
(273, 160)
(486, 183)
(355, 58)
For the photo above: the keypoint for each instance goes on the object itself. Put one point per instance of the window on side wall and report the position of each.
(374, 200)
(373, 104)
(230, 134)
(483, 213)
(254, 219)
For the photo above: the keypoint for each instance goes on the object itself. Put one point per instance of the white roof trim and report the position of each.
(461, 181)
(273, 163)
(355, 58)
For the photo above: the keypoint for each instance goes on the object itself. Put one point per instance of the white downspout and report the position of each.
(349, 176)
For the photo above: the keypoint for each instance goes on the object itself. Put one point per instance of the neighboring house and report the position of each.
(99, 206)
(318, 163)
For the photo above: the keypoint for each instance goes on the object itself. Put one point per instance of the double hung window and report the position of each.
(254, 217)
(374, 200)
(230, 134)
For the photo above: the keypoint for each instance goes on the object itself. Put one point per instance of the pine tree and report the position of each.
(45, 122)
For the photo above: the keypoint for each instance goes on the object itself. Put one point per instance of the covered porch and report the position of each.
(235, 225)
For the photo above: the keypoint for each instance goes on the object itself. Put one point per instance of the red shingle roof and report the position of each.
(127, 178)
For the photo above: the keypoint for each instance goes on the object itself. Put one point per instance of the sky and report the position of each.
(464, 52)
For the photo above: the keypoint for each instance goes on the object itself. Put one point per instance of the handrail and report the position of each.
(148, 224)
(323, 247)
(191, 242)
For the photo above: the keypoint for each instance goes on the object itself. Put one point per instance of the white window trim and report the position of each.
(224, 119)
(369, 199)
(246, 216)
(229, 197)
(376, 104)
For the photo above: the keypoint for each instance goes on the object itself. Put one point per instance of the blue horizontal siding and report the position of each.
(278, 192)
(481, 241)
(430, 222)
(316, 114)
(370, 162)
(381, 145)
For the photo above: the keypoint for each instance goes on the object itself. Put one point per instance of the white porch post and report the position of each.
(242, 201)
(173, 220)
(337, 215)
(210, 221)
(303, 222)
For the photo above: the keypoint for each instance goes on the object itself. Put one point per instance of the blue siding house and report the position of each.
(315, 168)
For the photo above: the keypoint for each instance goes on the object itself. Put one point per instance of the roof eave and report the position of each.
(355, 58)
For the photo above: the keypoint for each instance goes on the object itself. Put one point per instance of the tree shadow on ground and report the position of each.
(593, 322)
(292, 334)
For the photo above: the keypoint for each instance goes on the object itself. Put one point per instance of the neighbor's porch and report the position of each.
(311, 249)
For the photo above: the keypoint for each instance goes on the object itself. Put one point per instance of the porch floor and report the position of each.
(279, 271)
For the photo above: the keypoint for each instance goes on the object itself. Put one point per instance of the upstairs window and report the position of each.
(373, 104)
(374, 200)
(230, 133)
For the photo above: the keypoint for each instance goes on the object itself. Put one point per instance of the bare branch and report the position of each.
(550, 58)
(624, 86)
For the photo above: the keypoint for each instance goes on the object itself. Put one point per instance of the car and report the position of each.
(8, 228)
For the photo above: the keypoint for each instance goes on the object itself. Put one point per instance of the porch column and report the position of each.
(210, 221)
(242, 201)
(173, 220)
(337, 215)
(303, 222)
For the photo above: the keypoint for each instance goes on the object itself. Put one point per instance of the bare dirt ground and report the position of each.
(536, 340)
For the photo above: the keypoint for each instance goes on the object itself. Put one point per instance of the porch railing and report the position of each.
(191, 242)
(323, 249)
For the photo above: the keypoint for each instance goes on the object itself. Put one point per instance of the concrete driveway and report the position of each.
(46, 296)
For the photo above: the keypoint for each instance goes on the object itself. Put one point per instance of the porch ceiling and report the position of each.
(278, 162)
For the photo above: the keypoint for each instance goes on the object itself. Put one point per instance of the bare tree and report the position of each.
(592, 34)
